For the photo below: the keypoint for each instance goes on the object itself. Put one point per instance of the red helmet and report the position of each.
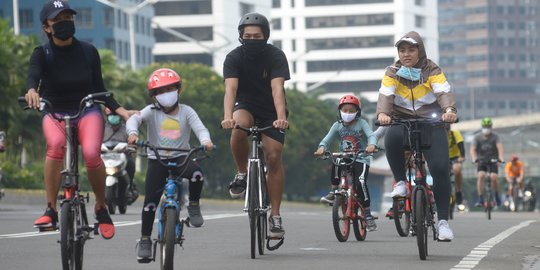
(349, 99)
(161, 78)
(514, 157)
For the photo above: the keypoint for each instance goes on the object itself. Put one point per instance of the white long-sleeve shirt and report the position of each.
(172, 131)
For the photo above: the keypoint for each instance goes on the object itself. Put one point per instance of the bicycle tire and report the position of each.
(515, 196)
(252, 207)
(340, 220)
(169, 240)
(488, 205)
(111, 199)
(67, 236)
(262, 232)
(451, 206)
(359, 223)
(421, 228)
(402, 217)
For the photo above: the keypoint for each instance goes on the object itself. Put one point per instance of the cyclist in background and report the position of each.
(354, 133)
(485, 147)
(415, 87)
(515, 169)
(64, 71)
(457, 156)
(255, 74)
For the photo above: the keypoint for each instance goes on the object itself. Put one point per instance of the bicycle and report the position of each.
(170, 226)
(347, 207)
(517, 201)
(256, 202)
(74, 227)
(421, 198)
(489, 203)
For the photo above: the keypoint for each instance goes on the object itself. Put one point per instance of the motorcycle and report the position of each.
(120, 190)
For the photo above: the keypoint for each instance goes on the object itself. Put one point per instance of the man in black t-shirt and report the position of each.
(255, 74)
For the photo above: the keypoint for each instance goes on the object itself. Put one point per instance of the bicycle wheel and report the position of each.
(339, 218)
(402, 217)
(359, 223)
(421, 226)
(261, 232)
(452, 206)
(515, 197)
(489, 204)
(169, 240)
(253, 207)
(110, 194)
(70, 250)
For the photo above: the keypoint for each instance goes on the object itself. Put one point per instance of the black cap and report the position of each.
(51, 9)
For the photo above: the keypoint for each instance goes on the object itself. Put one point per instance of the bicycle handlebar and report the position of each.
(409, 121)
(256, 129)
(155, 149)
(488, 162)
(353, 155)
(87, 101)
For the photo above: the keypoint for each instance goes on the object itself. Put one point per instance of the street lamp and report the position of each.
(131, 11)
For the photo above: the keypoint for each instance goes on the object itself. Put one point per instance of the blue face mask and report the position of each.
(113, 119)
(412, 74)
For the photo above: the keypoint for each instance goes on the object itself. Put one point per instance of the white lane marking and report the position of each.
(478, 253)
(313, 249)
(116, 224)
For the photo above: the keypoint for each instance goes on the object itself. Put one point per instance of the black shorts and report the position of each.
(263, 119)
(484, 167)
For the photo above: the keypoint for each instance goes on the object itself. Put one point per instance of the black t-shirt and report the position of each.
(254, 76)
(69, 77)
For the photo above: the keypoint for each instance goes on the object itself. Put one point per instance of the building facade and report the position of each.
(202, 31)
(490, 52)
(99, 24)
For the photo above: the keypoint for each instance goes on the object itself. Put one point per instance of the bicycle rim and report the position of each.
(359, 223)
(67, 236)
(340, 220)
(169, 240)
(262, 231)
(421, 226)
(402, 217)
(253, 206)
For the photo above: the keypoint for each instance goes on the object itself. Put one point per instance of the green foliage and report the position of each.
(30, 177)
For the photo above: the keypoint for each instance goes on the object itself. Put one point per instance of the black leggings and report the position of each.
(358, 168)
(155, 182)
(437, 161)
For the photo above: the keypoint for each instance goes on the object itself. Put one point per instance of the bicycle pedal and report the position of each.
(46, 228)
(144, 260)
(446, 240)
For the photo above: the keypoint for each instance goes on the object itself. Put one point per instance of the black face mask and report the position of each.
(63, 30)
(253, 47)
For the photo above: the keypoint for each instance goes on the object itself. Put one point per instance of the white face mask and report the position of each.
(486, 131)
(167, 99)
(348, 117)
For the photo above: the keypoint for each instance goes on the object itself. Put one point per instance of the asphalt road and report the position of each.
(508, 241)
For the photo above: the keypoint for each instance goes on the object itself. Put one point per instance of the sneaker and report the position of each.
(400, 190)
(276, 229)
(371, 225)
(144, 248)
(459, 198)
(106, 226)
(194, 213)
(479, 202)
(237, 188)
(329, 198)
(49, 219)
(390, 213)
(445, 233)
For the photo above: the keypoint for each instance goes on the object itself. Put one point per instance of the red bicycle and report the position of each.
(347, 207)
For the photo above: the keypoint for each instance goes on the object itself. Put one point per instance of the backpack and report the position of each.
(86, 47)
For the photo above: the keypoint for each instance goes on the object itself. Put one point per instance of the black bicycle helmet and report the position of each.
(254, 18)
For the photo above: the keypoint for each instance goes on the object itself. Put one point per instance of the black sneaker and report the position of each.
(105, 223)
(237, 188)
(459, 198)
(276, 229)
(329, 198)
(144, 249)
(194, 213)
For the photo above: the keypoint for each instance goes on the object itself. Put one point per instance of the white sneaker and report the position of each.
(400, 190)
(445, 233)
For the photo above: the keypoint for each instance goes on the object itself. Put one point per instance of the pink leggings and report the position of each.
(90, 127)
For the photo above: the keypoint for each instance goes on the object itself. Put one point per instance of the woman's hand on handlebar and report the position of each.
(384, 119)
(371, 148)
(208, 146)
(132, 139)
(449, 117)
(319, 152)
(281, 124)
(32, 98)
(228, 123)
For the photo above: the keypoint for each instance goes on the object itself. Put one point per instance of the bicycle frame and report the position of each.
(489, 203)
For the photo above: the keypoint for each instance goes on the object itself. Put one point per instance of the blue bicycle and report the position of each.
(170, 226)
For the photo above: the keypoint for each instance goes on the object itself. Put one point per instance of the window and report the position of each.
(197, 33)
(276, 3)
(276, 24)
(127, 52)
(277, 43)
(186, 58)
(349, 43)
(353, 86)
(310, 3)
(419, 21)
(125, 24)
(136, 23)
(293, 45)
(108, 17)
(293, 23)
(419, 2)
(110, 44)
(26, 18)
(351, 20)
(349, 64)
(84, 18)
(120, 53)
(183, 8)
(246, 8)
